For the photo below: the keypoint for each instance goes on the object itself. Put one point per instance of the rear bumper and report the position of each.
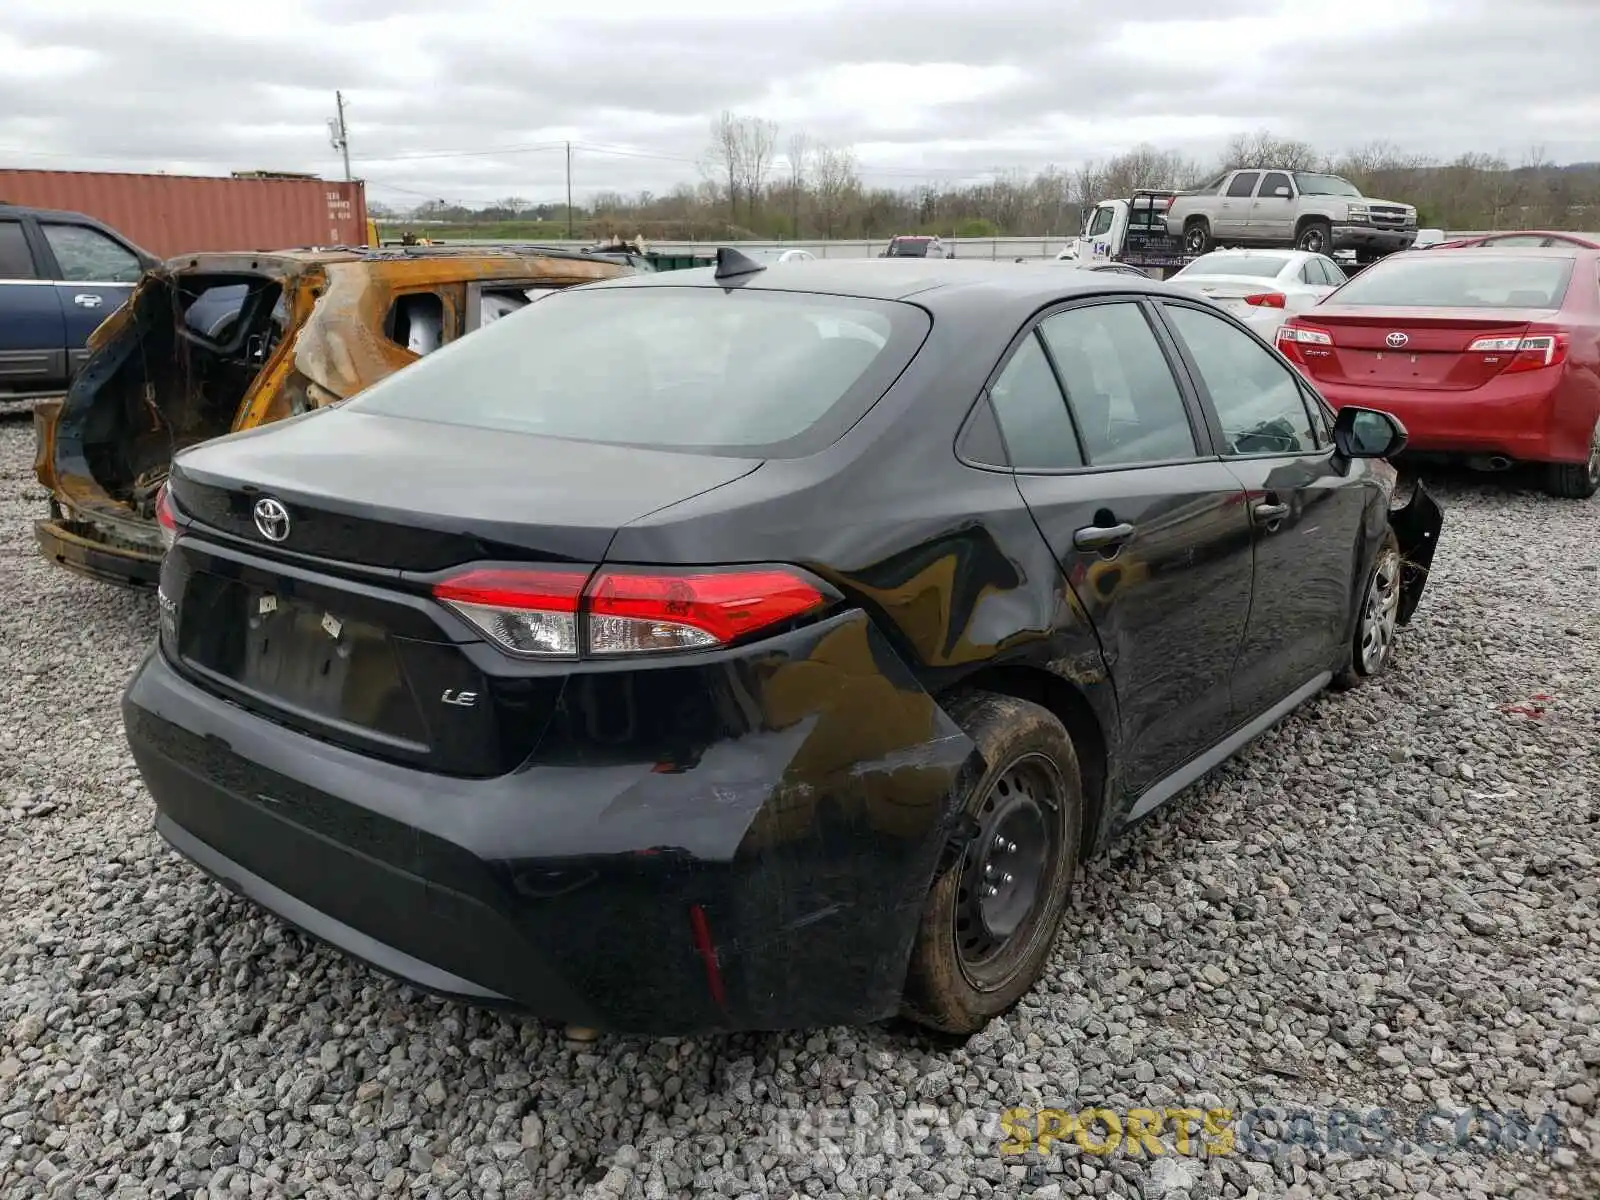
(1516, 424)
(1368, 237)
(76, 546)
(767, 878)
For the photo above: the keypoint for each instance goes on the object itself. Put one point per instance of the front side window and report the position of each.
(1271, 184)
(88, 256)
(1102, 221)
(753, 373)
(1121, 391)
(1256, 397)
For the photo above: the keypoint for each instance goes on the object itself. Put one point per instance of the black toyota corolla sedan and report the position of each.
(755, 648)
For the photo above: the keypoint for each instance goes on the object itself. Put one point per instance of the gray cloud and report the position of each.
(426, 94)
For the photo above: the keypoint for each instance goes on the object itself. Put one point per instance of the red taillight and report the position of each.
(1523, 353)
(562, 613)
(166, 517)
(1266, 300)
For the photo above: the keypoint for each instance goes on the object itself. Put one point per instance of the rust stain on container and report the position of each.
(185, 214)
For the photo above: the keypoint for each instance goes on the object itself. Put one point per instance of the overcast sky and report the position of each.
(469, 100)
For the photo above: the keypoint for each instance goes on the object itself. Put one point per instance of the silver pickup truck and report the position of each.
(1308, 210)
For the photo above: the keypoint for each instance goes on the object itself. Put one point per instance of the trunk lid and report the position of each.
(1417, 349)
(374, 491)
(333, 631)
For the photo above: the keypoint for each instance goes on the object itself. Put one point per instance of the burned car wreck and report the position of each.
(215, 343)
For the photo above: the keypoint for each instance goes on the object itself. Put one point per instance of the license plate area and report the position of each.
(313, 660)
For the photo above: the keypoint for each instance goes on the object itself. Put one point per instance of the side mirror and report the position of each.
(1282, 191)
(1368, 433)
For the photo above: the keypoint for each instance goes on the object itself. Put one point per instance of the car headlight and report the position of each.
(1356, 212)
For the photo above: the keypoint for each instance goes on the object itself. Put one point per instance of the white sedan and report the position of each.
(1261, 287)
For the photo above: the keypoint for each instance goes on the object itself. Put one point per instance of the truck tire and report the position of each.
(1197, 236)
(985, 936)
(1315, 237)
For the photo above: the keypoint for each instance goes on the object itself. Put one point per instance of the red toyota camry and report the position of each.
(1487, 354)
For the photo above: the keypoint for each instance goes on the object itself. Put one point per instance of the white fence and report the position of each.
(998, 248)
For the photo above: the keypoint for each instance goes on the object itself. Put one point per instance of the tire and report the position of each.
(1197, 236)
(973, 959)
(1315, 237)
(1576, 481)
(1377, 619)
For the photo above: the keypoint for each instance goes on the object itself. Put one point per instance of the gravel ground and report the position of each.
(1389, 902)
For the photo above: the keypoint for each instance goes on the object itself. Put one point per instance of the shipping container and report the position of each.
(180, 214)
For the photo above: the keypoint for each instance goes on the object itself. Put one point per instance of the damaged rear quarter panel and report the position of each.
(799, 799)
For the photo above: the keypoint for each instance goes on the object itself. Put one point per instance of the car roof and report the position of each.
(935, 283)
(15, 211)
(1569, 250)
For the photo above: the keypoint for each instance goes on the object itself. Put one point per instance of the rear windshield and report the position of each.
(1256, 266)
(909, 248)
(743, 372)
(1460, 280)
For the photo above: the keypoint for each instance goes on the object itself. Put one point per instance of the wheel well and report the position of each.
(1068, 705)
(1197, 219)
(1300, 225)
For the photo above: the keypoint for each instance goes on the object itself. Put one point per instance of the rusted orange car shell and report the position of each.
(211, 344)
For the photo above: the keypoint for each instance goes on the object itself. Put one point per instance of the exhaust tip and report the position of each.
(1490, 462)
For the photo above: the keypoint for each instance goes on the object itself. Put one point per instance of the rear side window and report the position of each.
(744, 372)
(1122, 393)
(1032, 413)
(15, 260)
(1461, 280)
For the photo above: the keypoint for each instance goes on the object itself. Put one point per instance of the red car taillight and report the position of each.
(568, 613)
(1266, 300)
(166, 517)
(1527, 353)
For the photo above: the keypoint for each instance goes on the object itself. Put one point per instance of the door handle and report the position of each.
(1102, 537)
(86, 300)
(1267, 514)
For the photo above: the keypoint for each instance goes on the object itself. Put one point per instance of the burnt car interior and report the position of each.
(201, 342)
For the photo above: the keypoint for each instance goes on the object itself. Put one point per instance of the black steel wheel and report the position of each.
(991, 918)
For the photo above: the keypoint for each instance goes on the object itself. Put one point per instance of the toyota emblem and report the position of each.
(272, 519)
(1395, 340)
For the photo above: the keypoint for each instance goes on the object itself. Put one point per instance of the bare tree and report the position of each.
(836, 184)
(722, 159)
(1263, 149)
(799, 161)
(757, 140)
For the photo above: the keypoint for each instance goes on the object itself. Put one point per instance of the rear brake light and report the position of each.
(565, 613)
(1266, 300)
(1528, 353)
(166, 517)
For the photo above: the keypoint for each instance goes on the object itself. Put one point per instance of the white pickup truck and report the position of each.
(1306, 210)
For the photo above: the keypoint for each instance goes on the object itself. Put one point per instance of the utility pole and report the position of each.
(338, 134)
(569, 191)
